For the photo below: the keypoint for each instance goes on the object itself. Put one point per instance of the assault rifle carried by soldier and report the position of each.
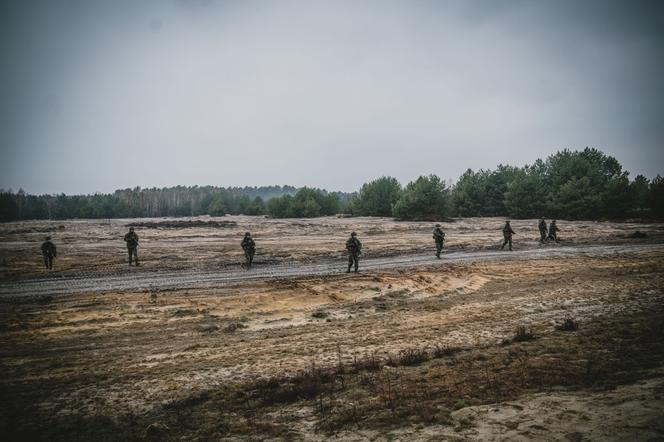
(354, 248)
(131, 238)
(249, 246)
(439, 237)
(48, 253)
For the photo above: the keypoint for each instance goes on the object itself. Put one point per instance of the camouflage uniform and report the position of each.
(354, 247)
(131, 239)
(48, 252)
(249, 247)
(507, 235)
(439, 237)
(553, 231)
(542, 229)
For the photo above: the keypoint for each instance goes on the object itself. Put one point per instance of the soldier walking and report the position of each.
(507, 235)
(249, 247)
(542, 229)
(48, 252)
(131, 238)
(553, 231)
(354, 247)
(439, 237)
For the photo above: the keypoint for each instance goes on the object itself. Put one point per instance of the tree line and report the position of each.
(137, 202)
(585, 184)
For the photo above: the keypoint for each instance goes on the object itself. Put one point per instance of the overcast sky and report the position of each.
(100, 95)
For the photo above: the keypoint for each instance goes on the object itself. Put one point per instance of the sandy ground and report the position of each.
(250, 360)
(59, 283)
(97, 245)
(626, 413)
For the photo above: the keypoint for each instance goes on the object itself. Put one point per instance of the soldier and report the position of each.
(131, 239)
(439, 237)
(542, 229)
(507, 234)
(553, 231)
(354, 247)
(48, 252)
(249, 247)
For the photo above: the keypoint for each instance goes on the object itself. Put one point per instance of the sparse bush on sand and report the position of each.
(523, 334)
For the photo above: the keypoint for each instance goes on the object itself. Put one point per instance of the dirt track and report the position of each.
(182, 279)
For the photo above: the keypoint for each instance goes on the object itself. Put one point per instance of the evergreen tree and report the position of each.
(377, 197)
(426, 198)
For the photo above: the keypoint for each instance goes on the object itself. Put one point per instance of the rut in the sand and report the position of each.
(56, 285)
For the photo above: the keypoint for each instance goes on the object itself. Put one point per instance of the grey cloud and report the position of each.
(103, 95)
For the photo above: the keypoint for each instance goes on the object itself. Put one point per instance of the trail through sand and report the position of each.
(189, 278)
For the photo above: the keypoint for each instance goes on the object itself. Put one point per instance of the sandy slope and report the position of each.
(627, 413)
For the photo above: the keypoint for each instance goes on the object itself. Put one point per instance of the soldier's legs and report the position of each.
(46, 261)
(542, 235)
(504, 242)
(50, 263)
(133, 255)
(350, 262)
(439, 247)
(510, 242)
(356, 258)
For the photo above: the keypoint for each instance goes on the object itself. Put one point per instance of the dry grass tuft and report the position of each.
(523, 334)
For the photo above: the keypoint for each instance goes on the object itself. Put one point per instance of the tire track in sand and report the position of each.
(186, 279)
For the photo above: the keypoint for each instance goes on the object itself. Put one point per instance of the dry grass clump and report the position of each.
(367, 363)
(412, 356)
(523, 334)
(444, 351)
(569, 324)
